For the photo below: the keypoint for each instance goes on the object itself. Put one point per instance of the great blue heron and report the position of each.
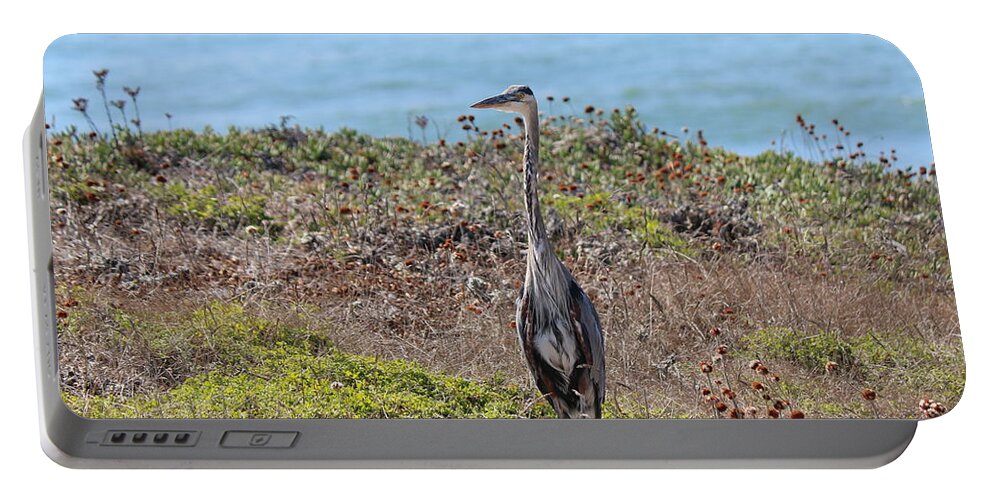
(558, 327)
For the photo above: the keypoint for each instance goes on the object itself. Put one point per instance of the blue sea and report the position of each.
(743, 91)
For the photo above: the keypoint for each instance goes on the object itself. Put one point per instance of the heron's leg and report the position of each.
(585, 392)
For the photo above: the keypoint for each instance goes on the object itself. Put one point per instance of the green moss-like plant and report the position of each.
(239, 365)
(208, 206)
(810, 351)
(286, 382)
(600, 213)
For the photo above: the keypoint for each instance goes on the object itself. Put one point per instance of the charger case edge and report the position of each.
(77, 442)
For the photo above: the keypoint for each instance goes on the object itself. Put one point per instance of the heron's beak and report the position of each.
(492, 102)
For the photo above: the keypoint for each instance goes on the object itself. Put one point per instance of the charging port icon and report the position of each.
(259, 439)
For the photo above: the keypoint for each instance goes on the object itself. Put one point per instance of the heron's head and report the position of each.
(516, 99)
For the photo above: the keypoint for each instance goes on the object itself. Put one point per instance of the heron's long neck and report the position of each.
(537, 236)
(545, 275)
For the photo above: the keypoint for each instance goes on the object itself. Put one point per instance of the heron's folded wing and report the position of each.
(591, 336)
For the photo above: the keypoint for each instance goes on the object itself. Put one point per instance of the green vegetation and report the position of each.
(597, 213)
(205, 206)
(808, 351)
(285, 383)
(901, 361)
(912, 360)
(252, 368)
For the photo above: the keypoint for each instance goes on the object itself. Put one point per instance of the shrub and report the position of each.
(811, 351)
(207, 206)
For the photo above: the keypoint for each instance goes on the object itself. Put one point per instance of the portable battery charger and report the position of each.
(336, 251)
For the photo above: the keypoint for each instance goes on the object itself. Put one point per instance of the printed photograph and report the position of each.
(497, 226)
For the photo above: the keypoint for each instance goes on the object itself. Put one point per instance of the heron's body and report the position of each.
(558, 327)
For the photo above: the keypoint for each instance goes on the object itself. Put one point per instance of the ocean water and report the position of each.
(743, 91)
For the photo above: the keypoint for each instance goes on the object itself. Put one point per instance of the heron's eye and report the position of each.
(520, 95)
